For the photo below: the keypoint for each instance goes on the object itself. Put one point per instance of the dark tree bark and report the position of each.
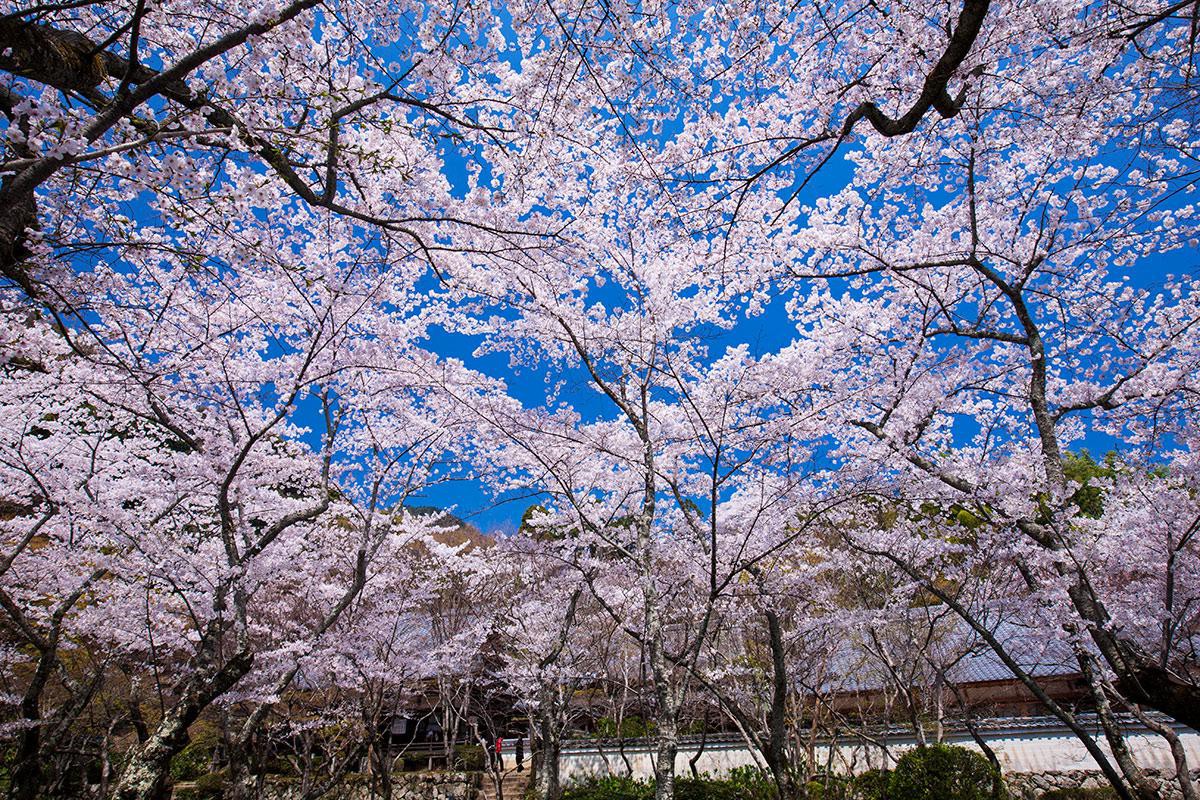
(145, 776)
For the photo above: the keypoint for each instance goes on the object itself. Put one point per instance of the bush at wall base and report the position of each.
(743, 784)
(941, 772)
(935, 772)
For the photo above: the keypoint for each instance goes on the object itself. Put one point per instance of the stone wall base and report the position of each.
(1032, 785)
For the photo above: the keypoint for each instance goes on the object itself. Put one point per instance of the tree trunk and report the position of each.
(667, 712)
(28, 777)
(1143, 789)
(981, 743)
(1147, 683)
(547, 781)
(695, 759)
(243, 783)
(379, 758)
(27, 772)
(777, 733)
(145, 776)
(664, 760)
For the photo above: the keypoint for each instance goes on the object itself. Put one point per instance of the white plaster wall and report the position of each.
(1050, 749)
(596, 761)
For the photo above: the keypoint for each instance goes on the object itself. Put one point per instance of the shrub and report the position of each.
(751, 783)
(941, 772)
(744, 783)
(872, 784)
(610, 788)
(469, 758)
(411, 763)
(703, 789)
(1079, 793)
(206, 787)
(815, 790)
(8, 754)
(828, 787)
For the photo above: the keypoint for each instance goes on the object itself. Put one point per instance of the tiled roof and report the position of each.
(958, 649)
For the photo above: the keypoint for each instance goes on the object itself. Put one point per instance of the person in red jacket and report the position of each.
(500, 752)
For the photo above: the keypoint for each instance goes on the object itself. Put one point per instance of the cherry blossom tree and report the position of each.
(553, 646)
(1028, 334)
(228, 243)
(686, 476)
(967, 293)
(223, 223)
(211, 515)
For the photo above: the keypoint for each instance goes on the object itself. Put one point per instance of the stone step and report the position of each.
(512, 783)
